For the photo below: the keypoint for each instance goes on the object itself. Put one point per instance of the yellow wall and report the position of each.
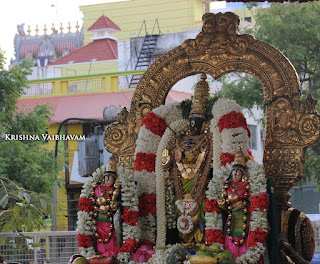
(245, 12)
(62, 220)
(77, 69)
(173, 16)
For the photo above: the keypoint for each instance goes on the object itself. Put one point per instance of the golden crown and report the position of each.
(112, 164)
(200, 98)
(239, 158)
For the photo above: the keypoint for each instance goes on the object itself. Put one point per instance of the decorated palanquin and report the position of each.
(186, 188)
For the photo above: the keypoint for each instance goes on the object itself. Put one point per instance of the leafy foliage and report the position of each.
(293, 28)
(21, 210)
(245, 89)
(28, 169)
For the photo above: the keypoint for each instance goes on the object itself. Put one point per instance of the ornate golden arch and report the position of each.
(292, 125)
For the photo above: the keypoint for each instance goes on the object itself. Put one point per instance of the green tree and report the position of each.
(28, 169)
(294, 29)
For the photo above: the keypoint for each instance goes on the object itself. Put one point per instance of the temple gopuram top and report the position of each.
(46, 48)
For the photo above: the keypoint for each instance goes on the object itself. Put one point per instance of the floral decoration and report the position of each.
(84, 241)
(212, 206)
(130, 217)
(147, 204)
(214, 236)
(259, 202)
(85, 204)
(85, 214)
(129, 245)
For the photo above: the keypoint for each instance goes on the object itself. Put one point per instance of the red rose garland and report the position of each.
(212, 206)
(233, 120)
(147, 204)
(258, 235)
(130, 217)
(214, 236)
(259, 202)
(84, 241)
(129, 245)
(86, 204)
(145, 161)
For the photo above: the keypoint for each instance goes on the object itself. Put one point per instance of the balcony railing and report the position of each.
(54, 247)
(97, 83)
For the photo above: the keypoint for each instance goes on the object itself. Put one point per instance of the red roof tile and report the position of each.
(101, 50)
(103, 23)
(89, 105)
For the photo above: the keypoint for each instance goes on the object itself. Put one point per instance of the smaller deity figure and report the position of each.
(106, 204)
(235, 202)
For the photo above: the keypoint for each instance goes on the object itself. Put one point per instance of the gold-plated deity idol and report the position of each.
(187, 160)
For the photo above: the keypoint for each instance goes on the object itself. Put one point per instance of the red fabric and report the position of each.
(258, 235)
(145, 161)
(147, 204)
(261, 201)
(130, 217)
(85, 204)
(233, 120)
(214, 236)
(84, 241)
(212, 206)
(129, 245)
(154, 123)
(110, 248)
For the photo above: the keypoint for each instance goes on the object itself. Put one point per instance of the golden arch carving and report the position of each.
(292, 125)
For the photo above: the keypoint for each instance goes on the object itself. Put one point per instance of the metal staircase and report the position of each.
(144, 56)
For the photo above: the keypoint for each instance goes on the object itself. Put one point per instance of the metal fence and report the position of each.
(88, 85)
(39, 247)
(38, 89)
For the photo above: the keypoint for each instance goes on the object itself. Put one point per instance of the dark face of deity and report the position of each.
(236, 175)
(195, 125)
(109, 179)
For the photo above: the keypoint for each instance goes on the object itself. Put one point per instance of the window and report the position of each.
(248, 19)
(253, 139)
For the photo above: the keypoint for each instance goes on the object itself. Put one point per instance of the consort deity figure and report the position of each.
(235, 202)
(106, 203)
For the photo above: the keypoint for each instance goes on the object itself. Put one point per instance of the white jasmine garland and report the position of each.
(129, 197)
(123, 257)
(233, 138)
(146, 141)
(163, 197)
(181, 224)
(85, 223)
(160, 256)
(213, 221)
(170, 112)
(216, 144)
(225, 106)
(179, 204)
(129, 231)
(148, 227)
(145, 182)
